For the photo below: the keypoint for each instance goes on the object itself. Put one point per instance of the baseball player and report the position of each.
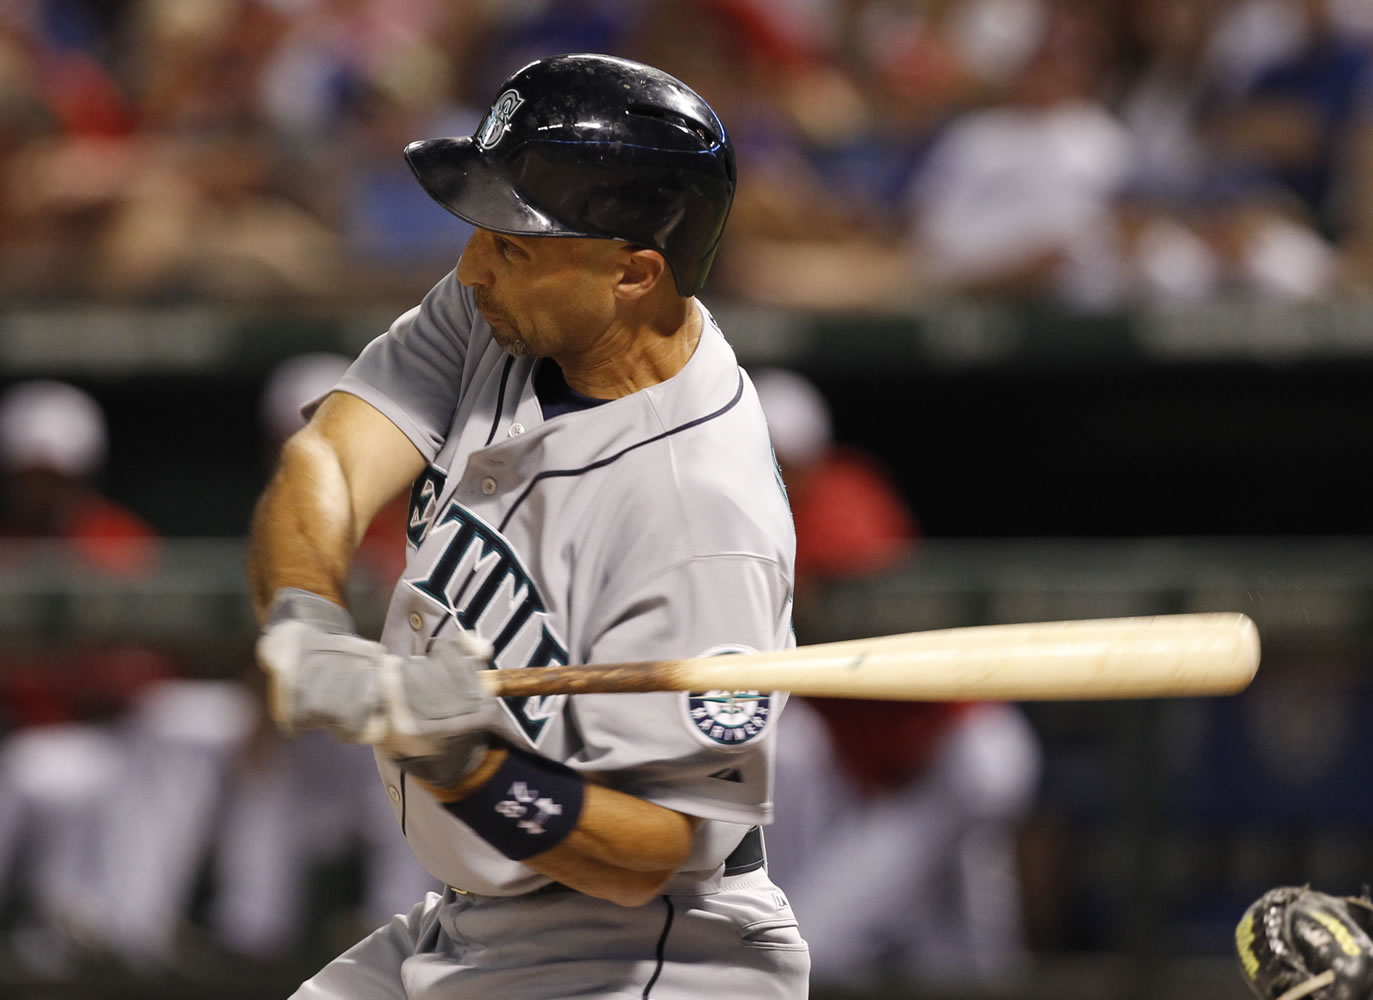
(590, 481)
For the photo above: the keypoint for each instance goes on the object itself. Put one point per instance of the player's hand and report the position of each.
(431, 711)
(438, 711)
(1295, 942)
(323, 674)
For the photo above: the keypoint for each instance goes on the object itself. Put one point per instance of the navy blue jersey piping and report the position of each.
(500, 397)
(552, 473)
(661, 951)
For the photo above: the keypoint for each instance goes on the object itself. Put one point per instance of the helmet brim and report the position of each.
(456, 175)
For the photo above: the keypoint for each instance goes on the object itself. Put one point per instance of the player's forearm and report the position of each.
(303, 532)
(622, 848)
(630, 832)
(602, 880)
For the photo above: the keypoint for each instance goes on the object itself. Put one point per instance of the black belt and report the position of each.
(748, 856)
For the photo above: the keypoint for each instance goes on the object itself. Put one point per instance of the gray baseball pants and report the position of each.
(734, 938)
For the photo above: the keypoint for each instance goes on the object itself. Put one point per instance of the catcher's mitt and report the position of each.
(1294, 942)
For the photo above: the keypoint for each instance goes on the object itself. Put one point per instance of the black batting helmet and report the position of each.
(592, 145)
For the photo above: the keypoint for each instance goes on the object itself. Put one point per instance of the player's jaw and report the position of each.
(503, 328)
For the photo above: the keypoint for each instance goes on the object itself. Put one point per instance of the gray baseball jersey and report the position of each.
(651, 526)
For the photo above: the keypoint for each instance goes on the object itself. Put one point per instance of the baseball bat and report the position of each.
(1102, 658)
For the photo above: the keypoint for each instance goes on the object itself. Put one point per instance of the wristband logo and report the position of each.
(522, 800)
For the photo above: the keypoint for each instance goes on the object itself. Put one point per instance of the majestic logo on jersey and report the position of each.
(497, 121)
(729, 718)
(477, 575)
(424, 500)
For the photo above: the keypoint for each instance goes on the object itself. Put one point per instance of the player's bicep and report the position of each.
(376, 459)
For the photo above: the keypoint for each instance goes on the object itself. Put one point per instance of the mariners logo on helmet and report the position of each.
(497, 121)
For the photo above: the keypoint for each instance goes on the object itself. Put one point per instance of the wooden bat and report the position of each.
(1103, 658)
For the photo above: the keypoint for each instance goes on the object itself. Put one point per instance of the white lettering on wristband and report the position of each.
(518, 805)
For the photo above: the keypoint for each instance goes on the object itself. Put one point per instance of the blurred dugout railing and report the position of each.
(1158, 819)
(1311, 590)
(104, 339)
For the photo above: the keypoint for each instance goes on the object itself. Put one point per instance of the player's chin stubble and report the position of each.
(503, 330)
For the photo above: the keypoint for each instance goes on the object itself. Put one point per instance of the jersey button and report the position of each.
(416, 622)
(488, 486)
(516, 430)
(393, 792)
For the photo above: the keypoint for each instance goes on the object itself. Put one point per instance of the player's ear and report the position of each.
(642, 270)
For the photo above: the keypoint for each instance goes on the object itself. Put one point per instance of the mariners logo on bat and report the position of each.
(498, 119)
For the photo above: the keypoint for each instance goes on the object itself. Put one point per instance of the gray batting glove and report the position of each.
(434, 703)
(438, 710)
(430, 712)
(324, 675)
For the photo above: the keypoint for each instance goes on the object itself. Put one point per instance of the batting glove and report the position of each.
(438, 710)
(431, 712)
(324, 675)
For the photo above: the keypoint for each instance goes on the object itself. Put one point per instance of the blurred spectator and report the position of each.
(1144, 252)
(1229, 236)
(388, 230)
(1299, 117)
(1162, 240)
(63, 707)
(1171, 78)
(1248, 36)
(1262, 241)
(1006, 190)
(53, 445)
(806, 227)
(347, 87)
(895, 829)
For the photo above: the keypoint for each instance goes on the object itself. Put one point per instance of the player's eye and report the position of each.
(508, 249)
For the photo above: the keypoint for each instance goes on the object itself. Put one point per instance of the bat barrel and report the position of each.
(1162, 656)
(1102, 659)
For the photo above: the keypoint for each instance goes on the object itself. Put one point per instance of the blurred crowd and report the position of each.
(1095, 152)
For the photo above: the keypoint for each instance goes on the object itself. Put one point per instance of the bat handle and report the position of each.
(606, 678)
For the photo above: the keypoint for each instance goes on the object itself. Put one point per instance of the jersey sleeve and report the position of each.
(707, 754)
(411, 373)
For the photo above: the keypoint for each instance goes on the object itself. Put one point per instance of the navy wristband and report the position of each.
(529, 805)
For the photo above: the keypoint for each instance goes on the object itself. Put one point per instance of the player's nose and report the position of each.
(472, 266)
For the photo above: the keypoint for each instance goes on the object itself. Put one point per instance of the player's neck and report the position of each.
(634, 353)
